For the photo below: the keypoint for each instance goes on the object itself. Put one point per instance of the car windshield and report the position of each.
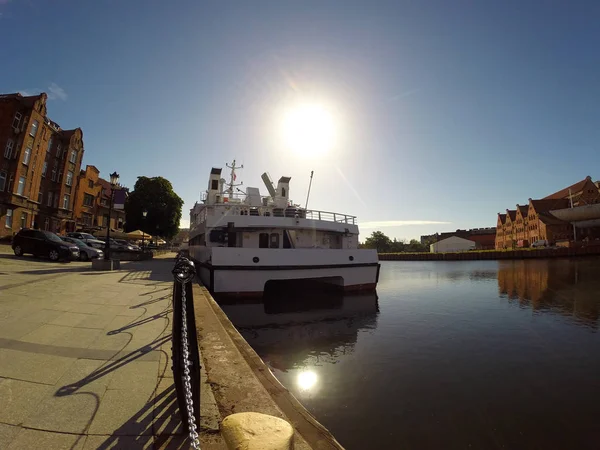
(77, 242)
(51, 236)
(87, 236)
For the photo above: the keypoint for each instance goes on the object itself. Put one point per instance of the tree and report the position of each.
(156, 196)
(378, 241)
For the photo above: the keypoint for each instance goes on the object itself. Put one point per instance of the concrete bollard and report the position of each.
(255, 431)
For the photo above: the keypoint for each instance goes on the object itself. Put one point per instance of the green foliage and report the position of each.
(156, 196)
(383, 244)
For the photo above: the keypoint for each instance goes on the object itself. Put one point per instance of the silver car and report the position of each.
(85, 251)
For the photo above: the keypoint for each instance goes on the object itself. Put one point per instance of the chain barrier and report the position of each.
(184, 273)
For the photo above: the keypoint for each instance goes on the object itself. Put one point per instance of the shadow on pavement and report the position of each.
(70, 389)
(159, 416)
(56, 270)
(140, 322)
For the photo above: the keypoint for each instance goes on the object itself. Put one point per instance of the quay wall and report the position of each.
(562, 252)
(242, 382)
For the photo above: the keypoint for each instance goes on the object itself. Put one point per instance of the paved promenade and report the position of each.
(85, 357)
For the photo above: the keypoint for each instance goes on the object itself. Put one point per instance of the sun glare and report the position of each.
(309, 129)
(307, 380)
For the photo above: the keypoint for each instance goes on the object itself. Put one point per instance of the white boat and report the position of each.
(241, 241)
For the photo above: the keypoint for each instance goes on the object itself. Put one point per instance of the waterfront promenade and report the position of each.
(85, 357)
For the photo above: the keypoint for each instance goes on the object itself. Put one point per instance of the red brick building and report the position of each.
(38, 167)
(533, 222)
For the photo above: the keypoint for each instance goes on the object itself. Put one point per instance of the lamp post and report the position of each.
(144, 214)
(114, 181)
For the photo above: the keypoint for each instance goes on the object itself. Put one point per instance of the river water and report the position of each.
(447, 355)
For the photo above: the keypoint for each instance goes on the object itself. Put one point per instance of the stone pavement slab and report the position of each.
(85, 358)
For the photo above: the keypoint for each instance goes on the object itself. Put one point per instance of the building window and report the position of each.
(17, 120)
(8, 149)
(88, 200)
(69, 181)
(2, 180)
(59, 177)
(46, 224)
(49, 144)
(91, 184)
(26, 156)
(56, 200)
(24, 220)
(49, 199)
(34, 128)
(45, 169)
(40, 196)
(9, 215)
(73, 157)
(54, 174)
(66, 200)
(21, 186)
(58, 151)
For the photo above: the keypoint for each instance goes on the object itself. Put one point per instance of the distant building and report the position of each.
(484, 238)
(529, 223)
(452, 244)
(92, 203)
(39, 162)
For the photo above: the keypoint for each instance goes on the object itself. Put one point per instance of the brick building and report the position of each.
(38, 167)
(92, 203)
(532, 222)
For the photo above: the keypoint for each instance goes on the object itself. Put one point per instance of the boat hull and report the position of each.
(247, 272)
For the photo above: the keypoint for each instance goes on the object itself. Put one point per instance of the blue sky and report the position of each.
(445, 111)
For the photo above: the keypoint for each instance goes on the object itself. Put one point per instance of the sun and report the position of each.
(309, 129)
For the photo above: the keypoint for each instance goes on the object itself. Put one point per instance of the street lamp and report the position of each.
(144, 214)
(114, 181)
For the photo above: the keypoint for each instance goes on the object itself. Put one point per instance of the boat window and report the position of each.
(263, 240)
(274, 240)
(214, 185)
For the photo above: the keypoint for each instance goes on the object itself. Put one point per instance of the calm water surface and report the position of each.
(448, 355)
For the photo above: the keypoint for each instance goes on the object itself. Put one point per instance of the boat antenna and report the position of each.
(232, 184)
(309, 186)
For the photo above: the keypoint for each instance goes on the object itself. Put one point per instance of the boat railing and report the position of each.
(273, 211)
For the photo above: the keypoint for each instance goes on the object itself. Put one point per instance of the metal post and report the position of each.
(107, 243)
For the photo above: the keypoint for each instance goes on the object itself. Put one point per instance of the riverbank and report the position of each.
(240, 380)
(563, 252)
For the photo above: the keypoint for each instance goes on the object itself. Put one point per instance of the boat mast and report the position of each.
(309, 186)
(232, 184)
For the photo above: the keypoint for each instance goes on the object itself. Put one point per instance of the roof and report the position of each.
(512, 214)
(549, 219)
(26, 101)
(563, 193)
(456, 239)
(546, 205)
(524, 209)
(502, 218)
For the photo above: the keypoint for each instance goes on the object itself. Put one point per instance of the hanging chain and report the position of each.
(184, 273)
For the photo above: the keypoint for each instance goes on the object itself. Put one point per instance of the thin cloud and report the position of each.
(400, 223)
(403, 95)
(55, 92)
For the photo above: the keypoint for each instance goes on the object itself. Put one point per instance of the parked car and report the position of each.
(85, 251)
(540, 243)
(118, 244)
(43, 243)
(88, 239)
(127, 245)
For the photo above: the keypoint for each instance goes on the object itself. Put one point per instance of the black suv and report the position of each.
(43, 243)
